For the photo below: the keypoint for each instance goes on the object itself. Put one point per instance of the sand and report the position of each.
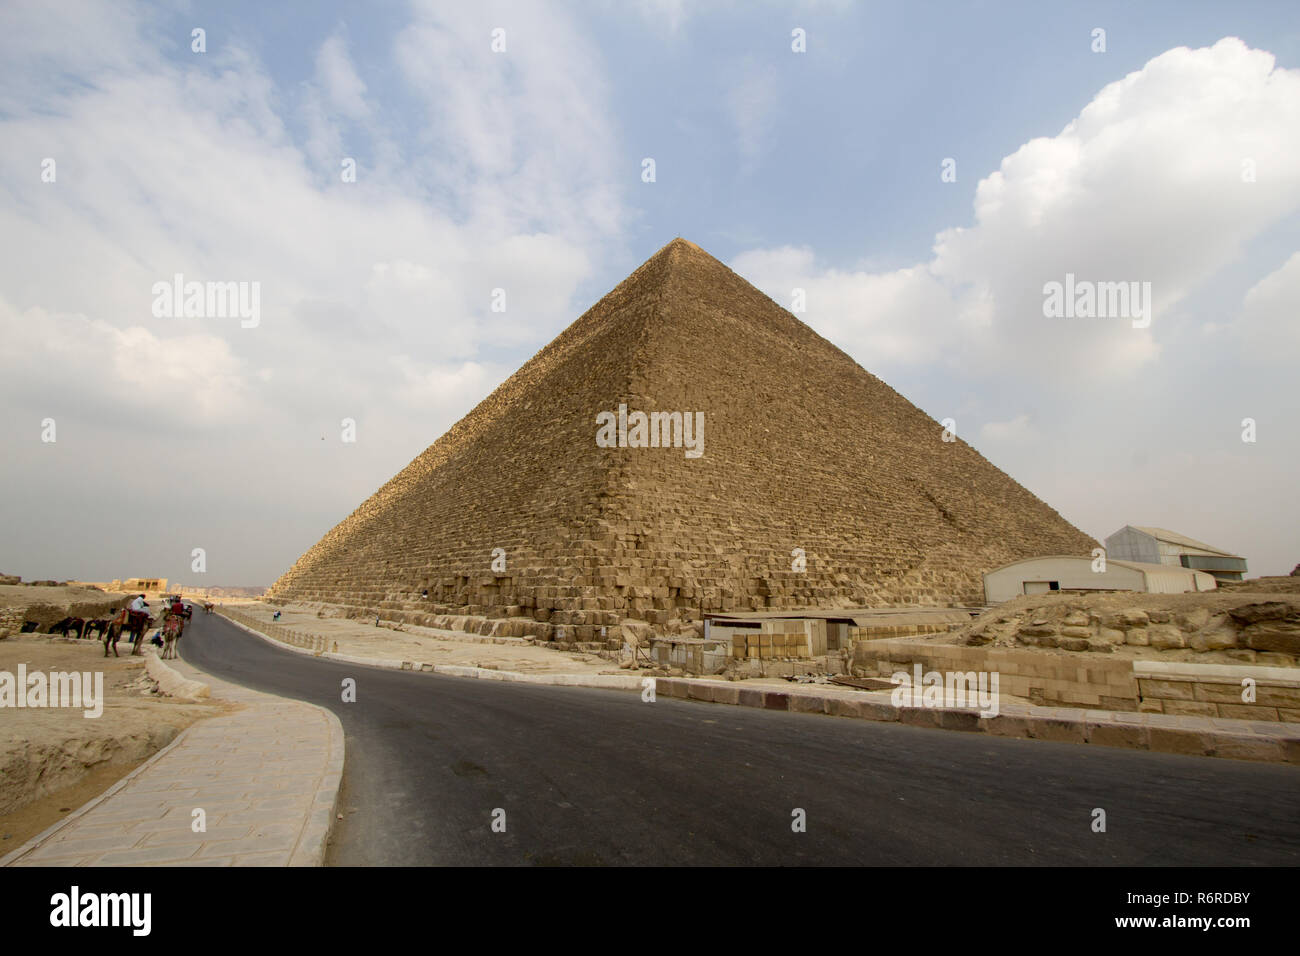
(52, 760)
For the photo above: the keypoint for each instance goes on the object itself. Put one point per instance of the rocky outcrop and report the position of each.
(1263, 631)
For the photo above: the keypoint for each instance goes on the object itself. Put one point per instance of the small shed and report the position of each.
(1062, 572)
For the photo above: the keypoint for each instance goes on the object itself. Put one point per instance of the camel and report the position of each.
(97, 626)
(173, 628)
(134, 624)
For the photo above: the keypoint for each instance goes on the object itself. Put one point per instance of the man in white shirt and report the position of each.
(139, 609)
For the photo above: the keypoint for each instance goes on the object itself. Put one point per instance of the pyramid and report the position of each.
(801, 449)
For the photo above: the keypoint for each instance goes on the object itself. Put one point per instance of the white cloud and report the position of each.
(1128, 425)
(1144, 185)
(337, 75)
(374, 295)
(1269, 324)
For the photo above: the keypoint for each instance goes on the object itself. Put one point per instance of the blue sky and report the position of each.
(522, 169)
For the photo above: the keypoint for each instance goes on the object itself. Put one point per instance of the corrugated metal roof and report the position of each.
(1173, 537)
(1143, 566)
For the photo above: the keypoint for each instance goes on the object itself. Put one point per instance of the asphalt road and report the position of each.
(601, 777)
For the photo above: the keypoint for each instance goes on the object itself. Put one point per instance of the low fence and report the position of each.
(279, 632)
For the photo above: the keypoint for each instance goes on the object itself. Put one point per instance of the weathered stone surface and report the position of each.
(1281, 636)
(1072, 631)
(1136, 635)
(1133, 617)
(1192, 620)
(1263, 611)
(1072, 643)
(593, 536)
(1037, 630)
(1165, 636)
(1167, 689)
(1213, 639)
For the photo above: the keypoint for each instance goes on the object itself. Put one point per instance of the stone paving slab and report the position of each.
(267, 778)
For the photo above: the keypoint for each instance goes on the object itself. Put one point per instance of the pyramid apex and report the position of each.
(680, 245)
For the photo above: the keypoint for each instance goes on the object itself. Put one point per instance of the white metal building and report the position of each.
(1162, 546)
(1064, 572)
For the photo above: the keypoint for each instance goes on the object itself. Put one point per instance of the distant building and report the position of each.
(144, 584)
(1161, 546)
(1067, 572)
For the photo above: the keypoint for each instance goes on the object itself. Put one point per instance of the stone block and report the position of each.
(1277, 696)
(1006, 725)
(953, 719)
(750, 697)
(1173, 741)
(919, 716)
(1061, 730)
(1249, 747)
(1114, 734)
(697, 691)
(724, 693)
(1219, 693)
(1282, 637)
(807, 703)
(1249, 712)
(1191, 708)
(1213, 639)
(1167, 689)
(1165, 637)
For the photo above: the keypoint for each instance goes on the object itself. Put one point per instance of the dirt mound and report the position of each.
(23, 603)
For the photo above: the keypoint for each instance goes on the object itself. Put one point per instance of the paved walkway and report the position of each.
(266, 777)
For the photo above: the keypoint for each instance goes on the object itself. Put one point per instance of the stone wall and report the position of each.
(1048, 678)
(1236, 624)
(1209, 690)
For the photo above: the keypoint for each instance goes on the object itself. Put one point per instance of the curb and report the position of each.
(1260, 740)
(310, 850)
(172, 683)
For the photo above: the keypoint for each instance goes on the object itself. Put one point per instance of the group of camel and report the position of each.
(135, 625)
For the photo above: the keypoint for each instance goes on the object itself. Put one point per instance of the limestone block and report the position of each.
(1164, 637)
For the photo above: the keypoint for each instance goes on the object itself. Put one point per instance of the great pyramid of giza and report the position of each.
(802, 449)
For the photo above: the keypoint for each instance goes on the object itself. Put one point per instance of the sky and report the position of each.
(920, 171)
